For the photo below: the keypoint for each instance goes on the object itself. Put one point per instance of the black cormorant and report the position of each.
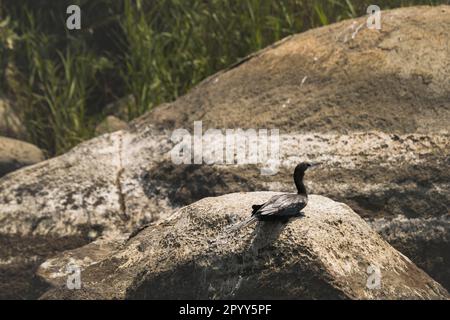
(283, 206)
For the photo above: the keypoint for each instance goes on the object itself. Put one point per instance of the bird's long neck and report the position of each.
(298, 180)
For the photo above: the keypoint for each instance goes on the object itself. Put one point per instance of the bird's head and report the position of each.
(302, 167)
(299, 172)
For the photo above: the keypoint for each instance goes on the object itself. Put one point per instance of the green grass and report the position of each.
(155, 50)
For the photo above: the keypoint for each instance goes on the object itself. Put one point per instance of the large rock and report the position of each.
(95, 189)
(326, 253)
(339, 78)
(373, 108)
(15, 154)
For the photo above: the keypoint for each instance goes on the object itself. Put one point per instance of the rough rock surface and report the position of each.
(373, 107)
(15, 154)
(425, 241)
(323, 254)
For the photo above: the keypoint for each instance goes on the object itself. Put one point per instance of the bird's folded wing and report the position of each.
(281, 203)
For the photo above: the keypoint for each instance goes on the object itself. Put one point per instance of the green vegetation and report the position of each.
(61, 80)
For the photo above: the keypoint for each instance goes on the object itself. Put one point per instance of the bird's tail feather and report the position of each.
(241, 225)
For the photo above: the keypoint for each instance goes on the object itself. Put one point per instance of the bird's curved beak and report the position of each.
(315, 165)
